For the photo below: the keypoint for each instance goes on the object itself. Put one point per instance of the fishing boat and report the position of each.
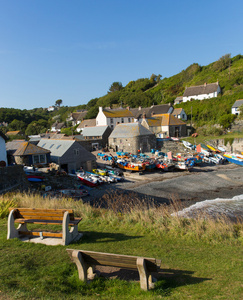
(234, 158)
(100, 172)
(88, 180)
(130, 166)
(188, 145)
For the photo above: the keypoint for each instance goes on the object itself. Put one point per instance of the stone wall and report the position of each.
(11, 177)
(230, 145)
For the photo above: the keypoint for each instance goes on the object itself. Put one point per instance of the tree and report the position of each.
(58, 102)
(116, 86)
(17, 125)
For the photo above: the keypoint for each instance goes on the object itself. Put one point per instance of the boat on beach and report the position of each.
(88, 180)
(234, 158)
(130, 166)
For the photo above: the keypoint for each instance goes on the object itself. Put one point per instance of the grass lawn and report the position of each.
(191, 268)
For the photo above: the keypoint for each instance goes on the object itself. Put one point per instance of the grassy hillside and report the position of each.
(201, 259)
(154, 90)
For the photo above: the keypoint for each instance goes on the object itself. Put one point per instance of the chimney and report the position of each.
(128, 107)
(205, 84)
(100, 109)
(144, 115)
(140, 107)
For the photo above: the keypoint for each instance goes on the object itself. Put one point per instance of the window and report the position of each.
(111, 121)
(114, 140)
(112, 126)
(43, 145)
(129, 120)
(122, 120)
(51, 146)
(39, 159)
(58, 146)
(76, 151)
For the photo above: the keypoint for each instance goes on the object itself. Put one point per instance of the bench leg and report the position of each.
(68, 236)
(12, 231)
(143, 274)
(81, 265)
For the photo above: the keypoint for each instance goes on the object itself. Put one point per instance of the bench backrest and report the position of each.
(41, 214)
(116, 260)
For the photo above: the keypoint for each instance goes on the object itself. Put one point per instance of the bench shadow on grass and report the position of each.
(90, 237)
(168, 279)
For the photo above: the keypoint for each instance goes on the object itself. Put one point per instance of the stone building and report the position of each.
(131, 137)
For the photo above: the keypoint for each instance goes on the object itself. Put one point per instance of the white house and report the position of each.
(235, 107)
(179, 113)
(3, 152)
(202, 92)
(113, 117)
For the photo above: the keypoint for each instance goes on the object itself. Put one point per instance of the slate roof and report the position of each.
(150, 111)
(87, 123)
(12, 146)
(128, 130)
(27, 148)
(59, 147)
(77, 116)
(121, 113)
(201, 89)
(58, 125)
(237, 103)
(94, 131)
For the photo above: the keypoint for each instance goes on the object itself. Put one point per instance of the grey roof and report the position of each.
(87, 123)
(12, 146)
(237, 103)
(201, 89)
(59, 147)
(129, 130)
(149, 111)
(94, 131)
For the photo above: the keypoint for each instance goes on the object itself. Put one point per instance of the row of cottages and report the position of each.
(68, 154)
(131, 137)
(165, 125)
(3, 151)
(201, 92)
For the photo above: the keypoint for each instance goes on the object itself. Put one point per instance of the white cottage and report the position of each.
(3, 152)
(235, 107)
(202, 92)
(113, 117)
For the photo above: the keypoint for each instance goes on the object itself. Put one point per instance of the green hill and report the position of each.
(153, 91)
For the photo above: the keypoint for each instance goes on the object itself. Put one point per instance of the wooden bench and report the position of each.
(62, 217)
(86, 260)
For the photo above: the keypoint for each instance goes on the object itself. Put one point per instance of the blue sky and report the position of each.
(74, 49)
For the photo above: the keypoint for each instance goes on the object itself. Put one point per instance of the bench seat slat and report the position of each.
(45, 222)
